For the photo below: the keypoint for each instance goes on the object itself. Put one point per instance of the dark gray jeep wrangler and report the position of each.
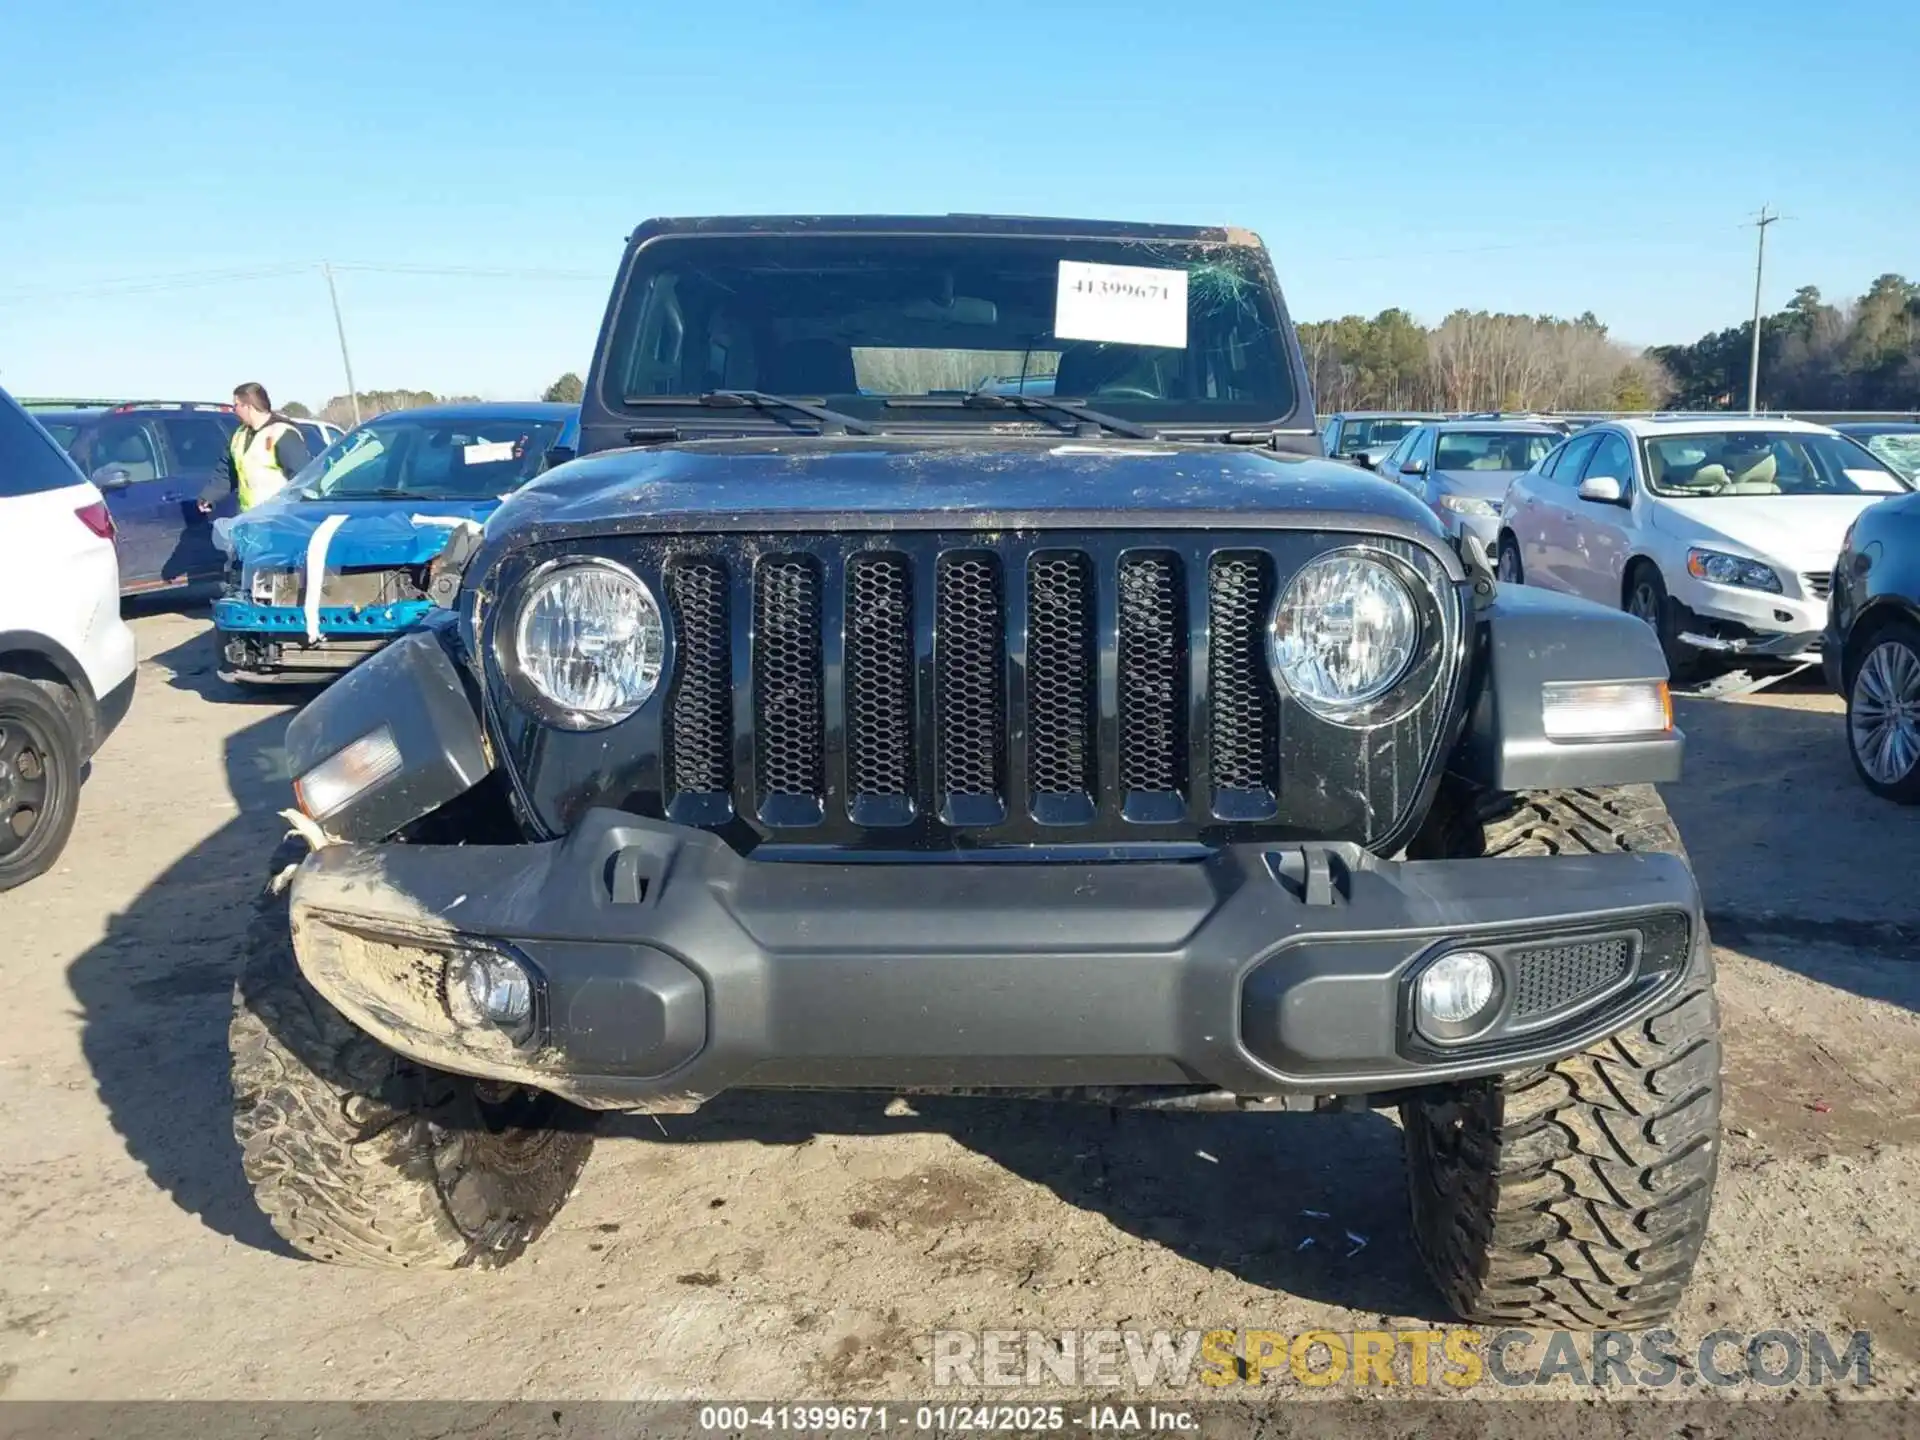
(950, 666)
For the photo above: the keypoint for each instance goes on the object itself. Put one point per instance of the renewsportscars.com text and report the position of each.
(1451, 1359)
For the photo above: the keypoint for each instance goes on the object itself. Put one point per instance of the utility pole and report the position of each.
(340, 328)
(1759, 267)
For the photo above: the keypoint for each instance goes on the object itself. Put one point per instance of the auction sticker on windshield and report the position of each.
(1874, 482)
(1124, 304)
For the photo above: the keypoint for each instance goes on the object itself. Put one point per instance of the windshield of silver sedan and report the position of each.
(1764, 462)
(892, 328)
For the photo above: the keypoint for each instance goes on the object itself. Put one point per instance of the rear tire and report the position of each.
(1883, 714)
(1575, 1195)
(40, 765)
(359, 1156)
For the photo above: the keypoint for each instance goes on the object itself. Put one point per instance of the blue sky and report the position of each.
(1546, 157)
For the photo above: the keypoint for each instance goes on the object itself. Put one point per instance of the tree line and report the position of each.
(1863, 354)
(1477, 360)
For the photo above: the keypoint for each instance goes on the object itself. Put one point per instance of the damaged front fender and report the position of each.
(424, 700)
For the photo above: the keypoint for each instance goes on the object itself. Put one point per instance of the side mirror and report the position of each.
(1414, 467)
(1602, 489)
(112, 477)
(558, 455)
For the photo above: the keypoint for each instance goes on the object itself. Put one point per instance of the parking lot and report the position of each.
(808, 1246)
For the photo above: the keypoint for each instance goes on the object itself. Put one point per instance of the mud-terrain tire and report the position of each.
(361, 1157)
(1576, 1195)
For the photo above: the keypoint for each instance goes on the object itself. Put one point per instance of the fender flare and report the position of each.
(62, 661)
(1527, 638)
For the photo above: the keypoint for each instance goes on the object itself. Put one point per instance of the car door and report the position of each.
(1389, 465)
(1602, 532)
(194, 446)
(123, 459)
(1416, 461)
(1546, 555)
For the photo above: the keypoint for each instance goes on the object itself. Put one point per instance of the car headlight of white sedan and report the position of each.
(1719, 568)
(1469, 505)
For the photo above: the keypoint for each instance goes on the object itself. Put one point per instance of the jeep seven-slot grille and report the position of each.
(786, 681)
(969, 660)
(1033, 687)
(699, 702)
(1060, 666)
(880, 746)
(1240, 682)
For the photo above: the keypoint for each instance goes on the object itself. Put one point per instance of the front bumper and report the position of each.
(1737, 623)
(264, 659)
(231, 613)
(1484, 528)
(668, 969)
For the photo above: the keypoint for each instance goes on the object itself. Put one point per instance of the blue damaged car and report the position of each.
(371, 536)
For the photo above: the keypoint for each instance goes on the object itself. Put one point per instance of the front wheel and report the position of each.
(1647, 601)
(1507, 567)
(1883, 715)
(359, 1156)
(1574, 1195)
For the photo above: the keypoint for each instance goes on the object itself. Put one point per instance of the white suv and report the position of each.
(66, 658)
(1720, 533)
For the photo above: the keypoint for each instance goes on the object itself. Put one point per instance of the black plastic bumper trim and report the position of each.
(1243, 971)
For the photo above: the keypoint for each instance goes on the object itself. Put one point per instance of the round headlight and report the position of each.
(1344, 633)
(590, 643)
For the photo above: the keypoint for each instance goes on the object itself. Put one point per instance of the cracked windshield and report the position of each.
(1152, 332)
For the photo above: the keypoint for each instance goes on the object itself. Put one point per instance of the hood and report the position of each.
(900, 482)
(373, 532)
(1482, 484)
(1799, 533)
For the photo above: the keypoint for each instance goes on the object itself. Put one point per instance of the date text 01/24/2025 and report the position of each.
(944, 1419)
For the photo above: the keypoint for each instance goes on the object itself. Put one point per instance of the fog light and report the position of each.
(1455, 992)
(1605, 710)
(490, 990)
(347, 773)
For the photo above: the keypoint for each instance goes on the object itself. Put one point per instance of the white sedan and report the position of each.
(1720, 533)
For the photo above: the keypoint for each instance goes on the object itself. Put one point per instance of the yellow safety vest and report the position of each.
(256, 470)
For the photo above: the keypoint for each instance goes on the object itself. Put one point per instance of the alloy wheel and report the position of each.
(1885, 715)
(1644, 603)
(24, 782)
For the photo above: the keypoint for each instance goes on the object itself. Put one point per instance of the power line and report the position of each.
(201, 279)
(481, 271)
(152, 284)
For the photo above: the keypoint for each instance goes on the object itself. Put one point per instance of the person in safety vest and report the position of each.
(266, 452)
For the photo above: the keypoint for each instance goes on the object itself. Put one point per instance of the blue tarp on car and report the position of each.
(346, 550)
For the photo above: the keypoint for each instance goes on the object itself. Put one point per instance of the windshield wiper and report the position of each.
(833, 422)
(1038, 404)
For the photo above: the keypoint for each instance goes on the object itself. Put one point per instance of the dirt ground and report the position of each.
(808, 1246)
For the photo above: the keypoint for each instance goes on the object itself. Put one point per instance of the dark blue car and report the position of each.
(150, 460)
